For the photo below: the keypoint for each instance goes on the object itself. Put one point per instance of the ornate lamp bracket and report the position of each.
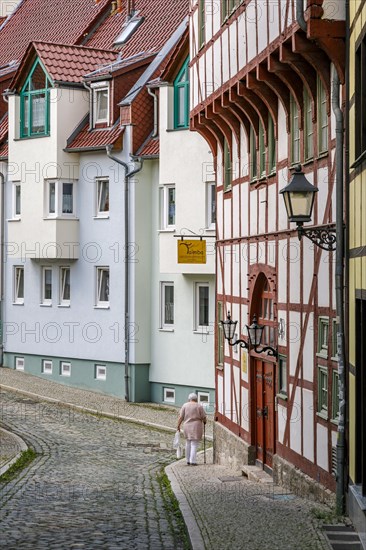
(324, 236)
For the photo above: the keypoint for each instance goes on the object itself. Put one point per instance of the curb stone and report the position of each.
(20, 444)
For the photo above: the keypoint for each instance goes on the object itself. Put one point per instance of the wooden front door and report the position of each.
(265, 412)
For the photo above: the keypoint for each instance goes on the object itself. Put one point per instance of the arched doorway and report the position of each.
(264, 381)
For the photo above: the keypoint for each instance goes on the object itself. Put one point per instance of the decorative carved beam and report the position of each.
(286, 74)
(257, 105)
(315, 56)
(301, 68)
(268, 97)
(246, 109)
(278, 87)
(228, 118)
(237, 112)
(206, 133)
(220, 124)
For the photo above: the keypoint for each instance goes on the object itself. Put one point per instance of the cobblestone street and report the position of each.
(93, 484)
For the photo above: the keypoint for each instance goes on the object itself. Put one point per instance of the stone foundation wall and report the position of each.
(230, 450)
(293, 479)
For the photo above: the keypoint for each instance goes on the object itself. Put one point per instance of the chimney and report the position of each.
(113, 7)
(130, 7)
(119, 6)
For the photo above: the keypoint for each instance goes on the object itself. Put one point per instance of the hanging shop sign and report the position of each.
(191, 251)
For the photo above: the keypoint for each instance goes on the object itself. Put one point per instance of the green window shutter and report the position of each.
(181, 97)
(227, 167)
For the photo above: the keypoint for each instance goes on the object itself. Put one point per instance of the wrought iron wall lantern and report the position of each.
(299, 196)
(255, 334)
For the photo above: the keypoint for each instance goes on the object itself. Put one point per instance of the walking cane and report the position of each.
(204, 443)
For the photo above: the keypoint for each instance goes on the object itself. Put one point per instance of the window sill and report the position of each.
(186, 128)
(32, 137)
(202, 332)
(101, 217)
(102, 307)
(169, 230)
(166, 329)
(322, 355)
(18, 303)
(45, 305)
(322, 415)
(282, 396)
(63, 305)
(323, 155)
(220, 367)
(334, 421)
(14, 220)
(66, 217)
(335, 359)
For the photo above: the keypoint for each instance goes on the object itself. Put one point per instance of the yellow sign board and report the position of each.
(191, 251)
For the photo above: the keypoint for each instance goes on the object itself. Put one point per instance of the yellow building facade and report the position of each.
(357, 266)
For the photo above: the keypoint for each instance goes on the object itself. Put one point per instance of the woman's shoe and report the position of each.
(193, 464)
(188, 463)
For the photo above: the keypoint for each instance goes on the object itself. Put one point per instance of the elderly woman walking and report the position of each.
(193, 416)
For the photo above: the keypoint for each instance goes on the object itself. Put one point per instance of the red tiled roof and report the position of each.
(4, 151)
(95, 139)
(150, 148)
(161, 19)
(63, 21)
(66, 63)
(2, 19)
(3, 128)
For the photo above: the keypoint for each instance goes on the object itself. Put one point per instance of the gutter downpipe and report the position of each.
(150, 92)
(2, 267)
(339, 277)
(339, 289)
(128, 175)
(300, 15)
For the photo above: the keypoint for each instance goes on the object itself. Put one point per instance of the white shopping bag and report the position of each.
(176, 440)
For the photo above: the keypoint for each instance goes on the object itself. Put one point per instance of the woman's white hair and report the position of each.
(193, 397)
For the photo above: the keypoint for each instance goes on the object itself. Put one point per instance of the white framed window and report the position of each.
(100, 372)
(211, 205)
(19, 363)
(167, 206)
(101, 107)
(166, 305)
(308, 126)
(322, 392)
(47, 366)
(282, 375)
(323, 336)
(46, 285)
(18, 284)
(65, 368)
(201, 306)
(65, 290)
(59, 199)
(102, 286)
(102, 196)
(203, 399)
(295, 131)
(17, 200)
(169, 395)
(322, 117)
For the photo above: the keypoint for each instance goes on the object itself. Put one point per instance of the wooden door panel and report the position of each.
(268, 416)
(259, 409)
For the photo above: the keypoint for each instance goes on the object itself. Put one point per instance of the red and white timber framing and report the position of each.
(248, 67)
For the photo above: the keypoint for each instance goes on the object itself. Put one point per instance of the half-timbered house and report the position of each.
(261, 76)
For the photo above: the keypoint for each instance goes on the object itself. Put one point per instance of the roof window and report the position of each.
(128, 29)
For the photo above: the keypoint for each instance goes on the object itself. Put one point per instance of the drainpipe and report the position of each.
(339, 288)
(300, 15)
(155, 132)
(2, 267)
(127, 178)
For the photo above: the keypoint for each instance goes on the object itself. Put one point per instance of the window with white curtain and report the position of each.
(102, 286)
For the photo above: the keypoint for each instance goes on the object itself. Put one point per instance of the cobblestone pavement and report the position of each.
(93, 484)
(234, 513)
